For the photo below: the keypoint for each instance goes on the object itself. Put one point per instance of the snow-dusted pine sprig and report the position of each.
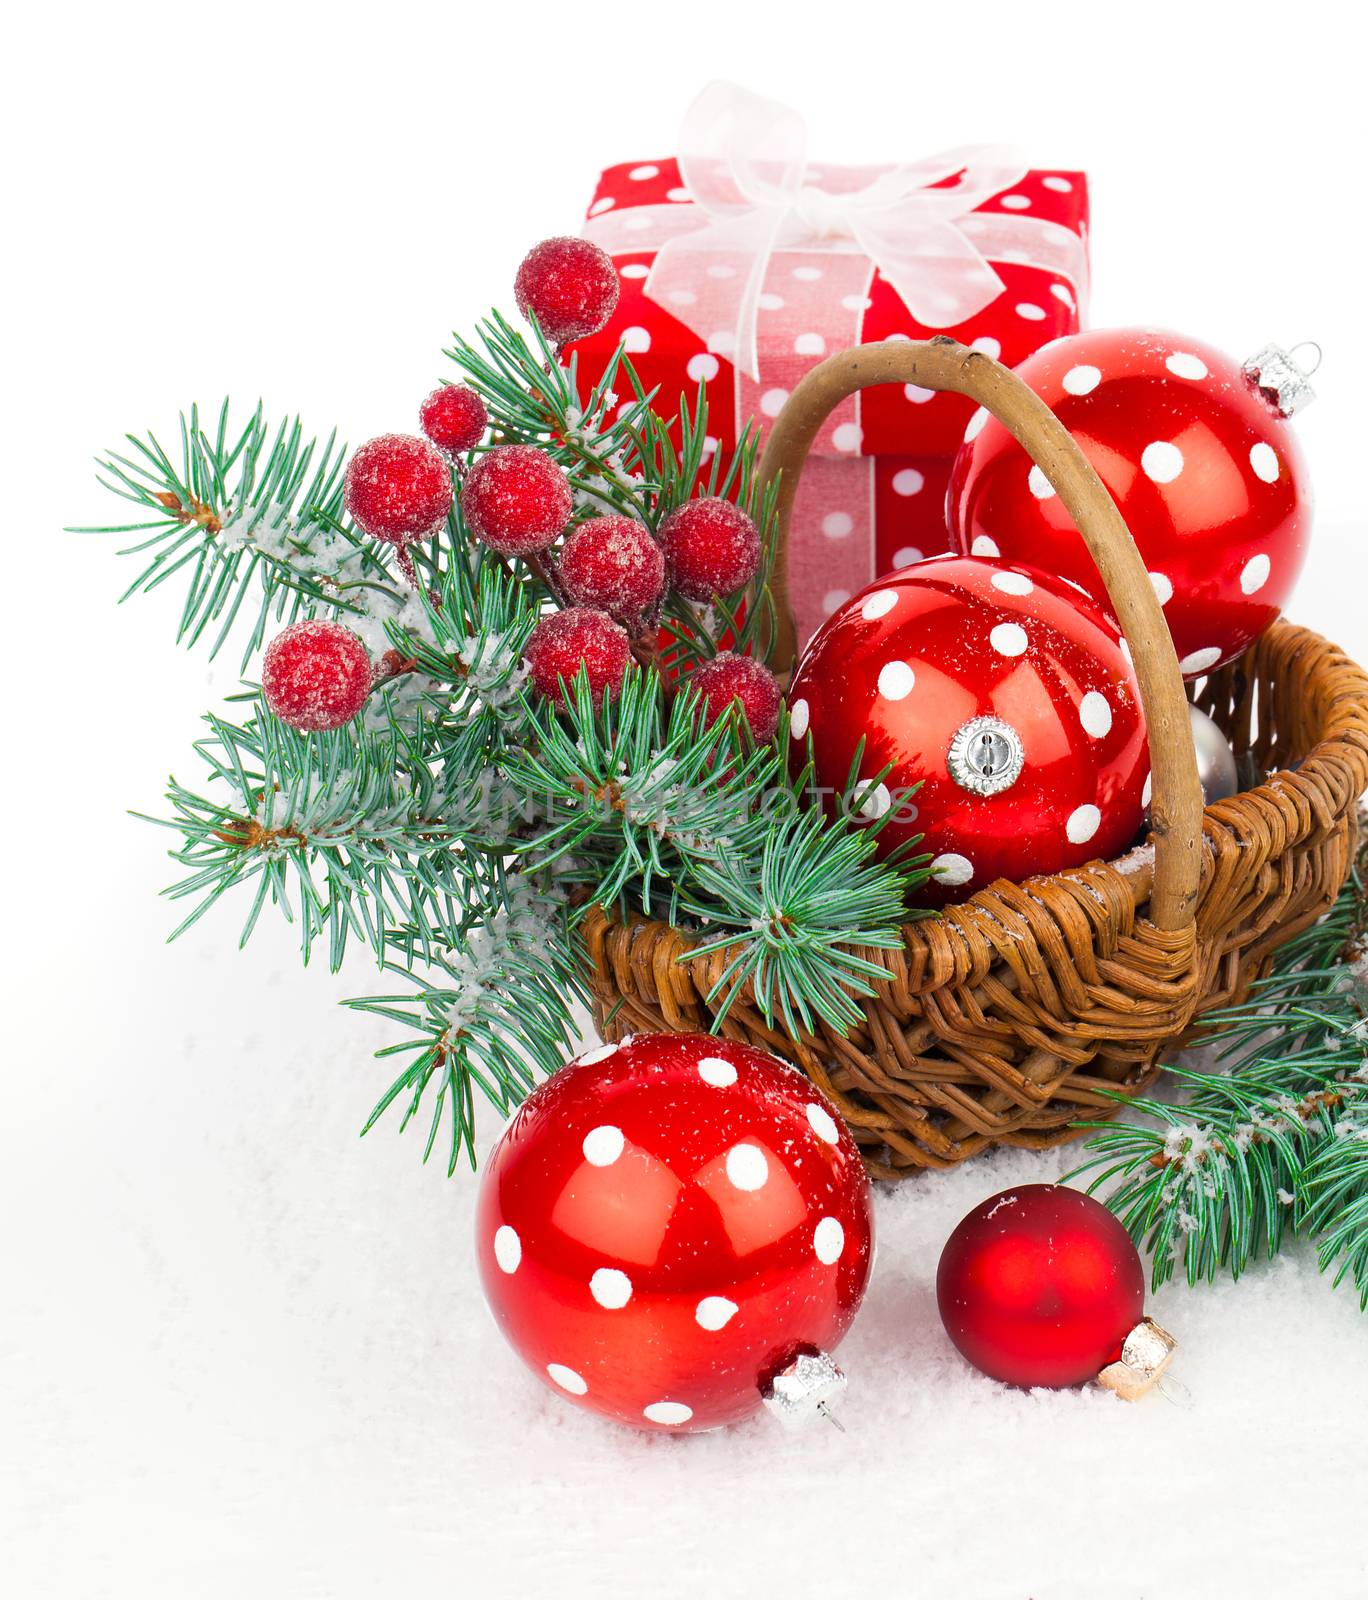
(492, 1013)
(462, 823)
(239, 513)
(795, 912)
(1268, 1142)
(349, 833)
(1334, 1191)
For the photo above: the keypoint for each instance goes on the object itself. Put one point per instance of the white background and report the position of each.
(240, 1350)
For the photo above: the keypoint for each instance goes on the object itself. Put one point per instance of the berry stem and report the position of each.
(546, 576)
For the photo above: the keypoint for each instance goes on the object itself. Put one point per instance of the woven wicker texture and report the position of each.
(1004, 1019)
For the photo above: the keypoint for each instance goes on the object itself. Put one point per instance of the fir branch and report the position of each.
(474, 628)
(633, 790)
(492, 1014)
(358, 823)
(1334, 1191)
(456, 822)
(238, 513)
(797, 909)
(1269, 1143)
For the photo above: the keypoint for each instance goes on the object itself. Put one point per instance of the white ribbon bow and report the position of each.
(743, 160)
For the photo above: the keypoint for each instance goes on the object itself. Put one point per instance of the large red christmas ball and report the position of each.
(1202, 465)
(397, 488)
(665, 1221)
(1040, 1286)
(316, 675)
(569, 285)
(1004, 693)
(516, 499)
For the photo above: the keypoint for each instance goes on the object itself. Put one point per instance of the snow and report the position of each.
(255, 1353)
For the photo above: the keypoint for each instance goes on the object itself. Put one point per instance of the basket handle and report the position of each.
(1176, 809)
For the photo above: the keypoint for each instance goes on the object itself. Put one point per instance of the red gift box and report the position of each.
(744, 266)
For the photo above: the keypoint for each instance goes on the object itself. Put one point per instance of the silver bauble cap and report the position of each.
(807, 1387)
(1283, 381)
(986, 756)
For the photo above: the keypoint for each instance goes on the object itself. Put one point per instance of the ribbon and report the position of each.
(751, 192)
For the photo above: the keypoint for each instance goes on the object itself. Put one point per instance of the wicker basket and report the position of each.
(1005, 1018)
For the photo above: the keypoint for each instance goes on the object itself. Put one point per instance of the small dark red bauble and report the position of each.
(566, 640)
(711, 548)
(613, 563)
(316, 675)
(569, 285)
(397, 488)
(1040, 1286)
(516, 499)
(728, 678)
(454, 418)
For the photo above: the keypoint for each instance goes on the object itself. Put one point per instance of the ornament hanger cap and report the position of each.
(1144, 1358)
(808, 1387)
(986, 756)
(1282, 378)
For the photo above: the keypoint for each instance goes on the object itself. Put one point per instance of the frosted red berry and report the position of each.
(728, 678)
(454, 418)
(711, 547)
(613, 563)
(578, 636)
(516, 499)
(569, 285)
(316, 675)
(398, 488)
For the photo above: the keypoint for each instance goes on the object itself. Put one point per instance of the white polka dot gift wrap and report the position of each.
(817, 296)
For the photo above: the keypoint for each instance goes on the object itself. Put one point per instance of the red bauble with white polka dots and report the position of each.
(316, 675)
(569, 285)
(398, 489)
(667, 1223)
(1198, 455)
(1005, 693)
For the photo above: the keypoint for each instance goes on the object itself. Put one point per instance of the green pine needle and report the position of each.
(1268, 1143)
(242, 513)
